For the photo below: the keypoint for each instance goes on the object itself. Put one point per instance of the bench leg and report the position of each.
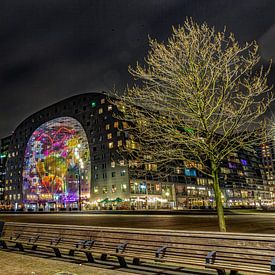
(89, 257)
(34, 247)
(121, 261)
(71, 252)
(3, 244)
(57, 252)
(136, 261)
(221, 272)
(103, 257)
(19, 246)
(233, 272)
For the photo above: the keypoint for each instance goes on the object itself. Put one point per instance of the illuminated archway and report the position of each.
(57, 163)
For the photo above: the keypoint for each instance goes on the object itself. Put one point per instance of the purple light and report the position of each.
(232, 165)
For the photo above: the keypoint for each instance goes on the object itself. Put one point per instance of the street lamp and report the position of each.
(79, 190)
(80, 167)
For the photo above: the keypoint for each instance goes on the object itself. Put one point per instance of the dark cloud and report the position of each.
(52, 49)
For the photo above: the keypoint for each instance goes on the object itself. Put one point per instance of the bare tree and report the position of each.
(200, 96)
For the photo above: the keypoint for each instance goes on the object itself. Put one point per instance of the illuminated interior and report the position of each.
(57, 164)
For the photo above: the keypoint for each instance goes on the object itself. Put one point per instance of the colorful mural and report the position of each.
(57, 161)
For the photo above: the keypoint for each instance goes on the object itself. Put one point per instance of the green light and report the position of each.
(93, 104)
(186, 130)
(2, 156)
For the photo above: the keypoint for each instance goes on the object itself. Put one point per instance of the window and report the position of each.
(113, 174)
(131, 144)
(190, 172)
(104, 190)
(123, 187)
(109, 136)
(110, 107)
(102, 101)
(178, 170)
(232, 165)
(122, 173)
(111, 145)
(100, 110)
(113, 164)
(96, 190)
(119, 143)
(151, 167)
(107, 126)
(116, 124)
(113, 188)
(96, 176)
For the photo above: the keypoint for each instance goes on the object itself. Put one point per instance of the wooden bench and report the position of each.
(248, 253)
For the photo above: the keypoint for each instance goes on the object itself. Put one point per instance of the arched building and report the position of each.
(65, 151)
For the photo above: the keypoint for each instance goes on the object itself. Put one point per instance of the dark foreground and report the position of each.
(240, 222)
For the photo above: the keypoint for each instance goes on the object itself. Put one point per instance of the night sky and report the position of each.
(53, 49)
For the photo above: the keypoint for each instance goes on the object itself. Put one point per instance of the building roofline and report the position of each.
(95, 94)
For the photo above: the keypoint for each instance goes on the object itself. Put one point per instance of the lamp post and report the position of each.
(79, 190)
(80, 166)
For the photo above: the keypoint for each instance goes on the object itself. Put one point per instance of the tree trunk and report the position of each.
(218, 197)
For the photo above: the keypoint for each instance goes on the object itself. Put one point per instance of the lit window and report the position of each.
(102, 101)
(121, 107)
(107, 127)
(123, 187)
(116, 124)
(95, 189)
(113, 164)
(110, 107)
(122, 173)
(104, 190)
(113, 188)
(119, 143)
(190, 172)
(122, 162)
(100, 110)
(109, 136)
(111, 145)
(131, 144)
